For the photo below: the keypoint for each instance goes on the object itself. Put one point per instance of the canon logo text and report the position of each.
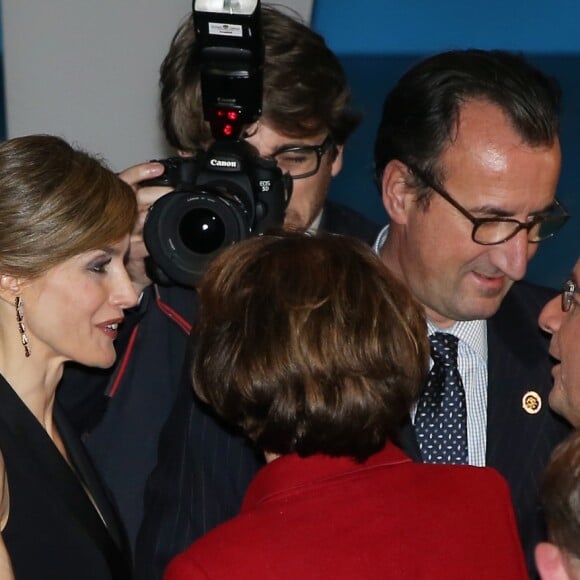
(223, 163)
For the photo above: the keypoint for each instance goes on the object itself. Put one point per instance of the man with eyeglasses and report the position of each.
(203, 467)
(467, 159)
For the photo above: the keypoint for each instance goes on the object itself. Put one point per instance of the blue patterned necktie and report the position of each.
(441, 417)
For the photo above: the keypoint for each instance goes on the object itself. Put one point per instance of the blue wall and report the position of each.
(378, 41)
(423, 26)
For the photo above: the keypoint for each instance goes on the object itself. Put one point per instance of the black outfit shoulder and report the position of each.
(53, 529)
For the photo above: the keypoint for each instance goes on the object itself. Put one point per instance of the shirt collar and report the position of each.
(472, 332)
(315, 225)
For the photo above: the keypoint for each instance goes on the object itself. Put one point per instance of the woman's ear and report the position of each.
(10, 287)
(396, 192)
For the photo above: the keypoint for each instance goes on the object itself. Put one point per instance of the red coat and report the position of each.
(324, 517)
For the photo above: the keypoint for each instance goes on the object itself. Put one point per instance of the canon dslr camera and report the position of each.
(228, 193)
(221, 196)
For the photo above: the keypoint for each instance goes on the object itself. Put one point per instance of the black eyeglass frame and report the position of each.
(320, 150)
(478, 222)
(570, 288)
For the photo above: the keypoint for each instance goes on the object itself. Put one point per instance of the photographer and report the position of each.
(306, 119)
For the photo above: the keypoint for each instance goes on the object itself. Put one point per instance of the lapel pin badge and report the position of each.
(531, 402)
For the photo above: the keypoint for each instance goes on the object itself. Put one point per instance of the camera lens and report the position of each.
(185, 230)
(202, 231)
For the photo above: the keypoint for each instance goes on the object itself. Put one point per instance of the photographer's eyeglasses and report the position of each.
(301, 161)
(497, 230)
(568, 298)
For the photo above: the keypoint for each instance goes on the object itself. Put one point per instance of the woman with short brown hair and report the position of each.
(316, 351)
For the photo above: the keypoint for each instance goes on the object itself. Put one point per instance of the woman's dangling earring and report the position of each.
(21, 327)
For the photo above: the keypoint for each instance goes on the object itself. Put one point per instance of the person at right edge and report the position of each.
(467, 158)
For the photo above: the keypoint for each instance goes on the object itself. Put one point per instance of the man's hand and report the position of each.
(146, 196)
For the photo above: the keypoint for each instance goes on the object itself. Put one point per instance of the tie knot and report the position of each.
(444, 348)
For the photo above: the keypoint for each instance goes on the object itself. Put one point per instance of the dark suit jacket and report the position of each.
(519, 443)
(326, 517)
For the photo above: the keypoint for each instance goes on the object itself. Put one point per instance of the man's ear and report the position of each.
(550, 562)
(397, 195)
(337, 161)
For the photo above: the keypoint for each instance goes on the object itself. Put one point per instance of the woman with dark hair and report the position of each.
(316, 351)
(64, 235)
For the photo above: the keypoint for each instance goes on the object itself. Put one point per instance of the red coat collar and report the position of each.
(290, 472)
